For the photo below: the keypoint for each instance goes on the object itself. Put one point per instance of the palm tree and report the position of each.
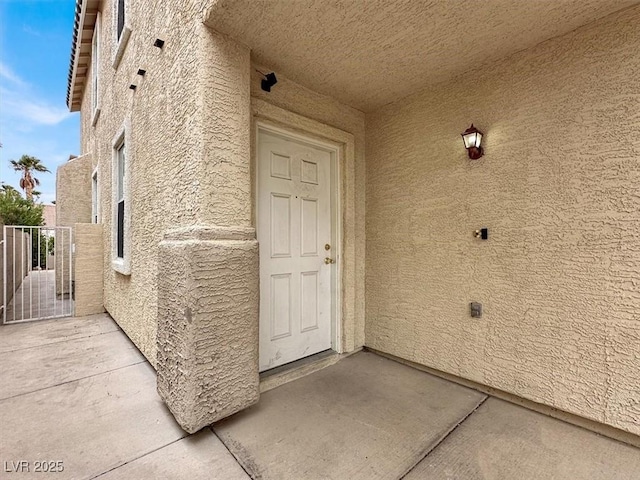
(26, 165)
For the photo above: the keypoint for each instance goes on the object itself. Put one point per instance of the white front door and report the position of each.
(294, 231)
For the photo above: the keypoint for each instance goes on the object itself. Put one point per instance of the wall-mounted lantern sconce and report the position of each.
(133, 86)
(158, 43)
(268, 81)
(472, 138)
(142, 72)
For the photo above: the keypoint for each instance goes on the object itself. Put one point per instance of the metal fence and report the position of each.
(37, 273)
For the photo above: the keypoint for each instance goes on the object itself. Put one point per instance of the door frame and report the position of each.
(335, 150)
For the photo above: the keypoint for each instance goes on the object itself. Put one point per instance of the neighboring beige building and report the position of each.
(244, 228)
(49, 215)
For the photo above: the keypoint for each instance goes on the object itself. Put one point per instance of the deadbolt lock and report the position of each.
(327, 246)
(329, 261)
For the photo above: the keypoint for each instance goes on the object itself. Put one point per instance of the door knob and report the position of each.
(329, 261)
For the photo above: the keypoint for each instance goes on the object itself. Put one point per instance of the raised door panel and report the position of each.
(309, 227)
(309, 301)
(281, 314)
(280, 213)
(280, 166)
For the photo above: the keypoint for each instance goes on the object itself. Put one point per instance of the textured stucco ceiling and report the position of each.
(368, 53)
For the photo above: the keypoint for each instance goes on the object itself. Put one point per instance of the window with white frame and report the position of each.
(121, 30)
(120, 200)
(94, 197)
(121, 158)
(95, 65)
(120, 17)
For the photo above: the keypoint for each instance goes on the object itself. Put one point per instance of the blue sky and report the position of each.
(35, 43)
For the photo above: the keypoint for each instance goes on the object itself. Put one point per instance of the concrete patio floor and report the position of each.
(76, 390)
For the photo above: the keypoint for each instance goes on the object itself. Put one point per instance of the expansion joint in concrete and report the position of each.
(139, 457)
(75, 380)
(66, 340)
(236, 458)
(435, 445)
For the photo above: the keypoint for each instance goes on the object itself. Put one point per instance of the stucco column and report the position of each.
(73, 205)
(208, 328)
(225, 166)
(207, 359)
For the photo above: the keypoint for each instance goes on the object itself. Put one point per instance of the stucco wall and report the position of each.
(165, 128)
(295, 98)
(73, 205)
(73, 191)
(558, 190)
(88, 269)
(187, 140)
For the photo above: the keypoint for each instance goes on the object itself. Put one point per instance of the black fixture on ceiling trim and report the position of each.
(268, 81)
(158, 43)
(133, 86)
(141, 72)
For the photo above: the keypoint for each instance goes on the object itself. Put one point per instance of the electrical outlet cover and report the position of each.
(476, 310)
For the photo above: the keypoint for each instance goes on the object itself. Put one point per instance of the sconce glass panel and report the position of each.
(472, 137)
